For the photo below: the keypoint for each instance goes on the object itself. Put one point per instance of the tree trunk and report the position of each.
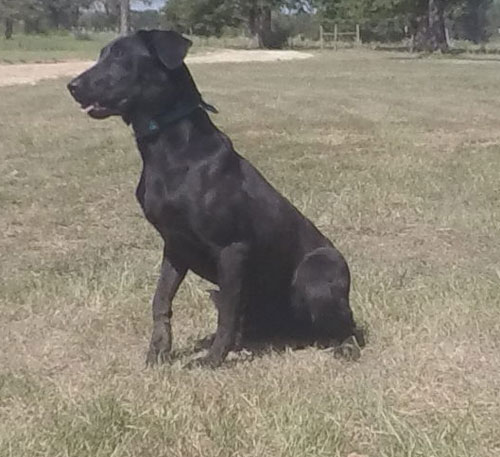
(76, 16)
(265, 27)
(54, 17)
(430, 30)
(260, 23)
(9, 28)
(436, 31)
(252, 23)
(124, 17)
(252, 19)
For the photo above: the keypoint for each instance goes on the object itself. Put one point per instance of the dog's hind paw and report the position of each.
(360, 336)
(348, 350)
(204, 343)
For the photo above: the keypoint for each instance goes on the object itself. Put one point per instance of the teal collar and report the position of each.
(153, 126)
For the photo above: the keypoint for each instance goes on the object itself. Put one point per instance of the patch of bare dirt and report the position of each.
(233, 55)
(32, 73)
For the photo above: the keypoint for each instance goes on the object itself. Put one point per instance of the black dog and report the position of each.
(218, 216)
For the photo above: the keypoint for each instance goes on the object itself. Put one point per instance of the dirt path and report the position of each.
(32, 73)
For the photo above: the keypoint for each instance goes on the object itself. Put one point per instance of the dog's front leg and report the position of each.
(161, 340)
(230, 272)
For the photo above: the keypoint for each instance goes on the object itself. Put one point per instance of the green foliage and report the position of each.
(271, 20)
(467, 19)
(472, 20)
(20, 9)
(305, 25)
(61, 13)
(345, 11)
(147, 19)
(494, 18)
(40, 15)
(212, 17)
(201, 17)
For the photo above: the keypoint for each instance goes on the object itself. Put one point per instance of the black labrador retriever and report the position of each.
(278, 276)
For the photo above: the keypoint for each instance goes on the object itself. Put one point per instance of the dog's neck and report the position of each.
(171, 142)
(149, 123)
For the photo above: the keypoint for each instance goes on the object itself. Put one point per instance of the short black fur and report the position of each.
(278, 276)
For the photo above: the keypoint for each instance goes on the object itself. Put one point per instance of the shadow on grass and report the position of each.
(350, 349)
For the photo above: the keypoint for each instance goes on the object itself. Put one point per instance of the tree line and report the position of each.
(428, 22)
(38, 16)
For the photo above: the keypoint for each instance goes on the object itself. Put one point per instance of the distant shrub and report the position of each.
(59, 32)
(277, 38)
(231, 32)
(82, 36)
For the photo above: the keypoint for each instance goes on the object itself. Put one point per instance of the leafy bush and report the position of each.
(81, 35)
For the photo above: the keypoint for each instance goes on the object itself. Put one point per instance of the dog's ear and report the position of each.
(170, 47)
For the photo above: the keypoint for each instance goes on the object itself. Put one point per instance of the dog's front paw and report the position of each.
(157, 356)
(160, 346)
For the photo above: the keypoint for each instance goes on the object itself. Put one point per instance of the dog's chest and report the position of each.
(161, 198)
(169, 211)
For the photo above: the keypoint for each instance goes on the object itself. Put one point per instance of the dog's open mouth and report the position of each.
(97, 111)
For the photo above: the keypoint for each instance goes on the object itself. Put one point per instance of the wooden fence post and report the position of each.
(321, 42)
(335, 35)
(358, 34)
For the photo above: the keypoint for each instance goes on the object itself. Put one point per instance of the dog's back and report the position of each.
(218, 216)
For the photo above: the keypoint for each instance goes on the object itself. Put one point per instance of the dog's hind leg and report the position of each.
(169, 281)
(320, 297)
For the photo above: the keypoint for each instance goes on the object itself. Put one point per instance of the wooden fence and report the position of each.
(325, 37)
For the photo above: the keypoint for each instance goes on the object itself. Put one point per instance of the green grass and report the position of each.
(396, 160)
(51, 48)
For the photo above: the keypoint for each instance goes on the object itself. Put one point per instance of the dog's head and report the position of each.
(132, 72)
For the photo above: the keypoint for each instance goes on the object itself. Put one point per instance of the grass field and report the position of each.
(396, 160)
(50, 48)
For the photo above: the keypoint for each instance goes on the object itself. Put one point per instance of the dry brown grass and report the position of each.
(396, 160)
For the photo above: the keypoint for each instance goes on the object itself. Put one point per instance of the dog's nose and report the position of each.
(73, 85)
